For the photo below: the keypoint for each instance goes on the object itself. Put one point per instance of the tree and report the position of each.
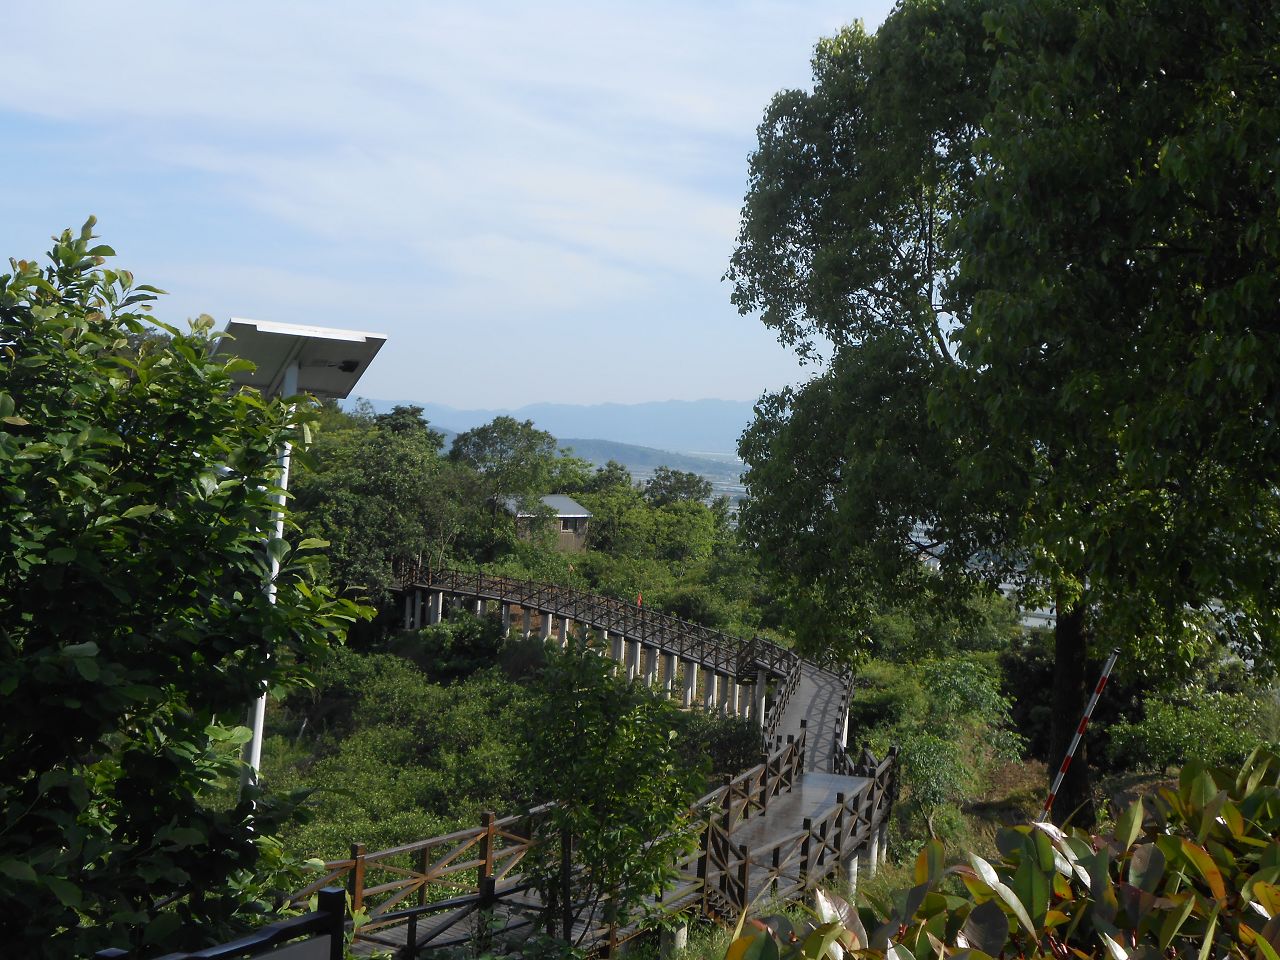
(515, 458)
(605, 751)
(1068, 243)
(853, 489)
(668, 486)
(1122, 355)
(612, 474)
(385, 500)
(134, 627)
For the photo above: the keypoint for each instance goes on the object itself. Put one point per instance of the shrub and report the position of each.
(1213, 728)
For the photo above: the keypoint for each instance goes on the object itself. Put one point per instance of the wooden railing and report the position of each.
(799, 861)
(690, 641)
(778, 706)
(470, 870)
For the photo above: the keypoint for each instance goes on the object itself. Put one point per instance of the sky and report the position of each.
(535, 202)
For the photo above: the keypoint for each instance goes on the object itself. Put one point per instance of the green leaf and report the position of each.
(87, 649)
(61, 554)
(1206, 867)
(989, 876)
(1129, 825)
(1032, 886)
(1174, 920)
(87, 668)
(19, 870)
(66, 891)
(986, 928)
(1146, 867)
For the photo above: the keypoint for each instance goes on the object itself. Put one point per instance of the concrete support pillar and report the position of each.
(564, 632)
(731, 696)
(527, 629)
(849, 867)
(709, 690)
(690, 682)
(617, 647)
(651, 666)
(506, 619)
(883, 841)
(871, 855)
(635, 650)
(672, 940)
(668, 673)
(544, 628)
(408, 609)
(435, 608)
(478, 609)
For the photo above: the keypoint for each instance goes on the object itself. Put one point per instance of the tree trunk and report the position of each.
(1070, 694)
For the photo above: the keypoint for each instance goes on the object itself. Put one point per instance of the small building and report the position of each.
(569, 517)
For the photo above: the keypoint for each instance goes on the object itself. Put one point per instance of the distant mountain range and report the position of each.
(642, 461)
(687, 426)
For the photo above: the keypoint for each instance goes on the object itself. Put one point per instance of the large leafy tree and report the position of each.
(378, 490)
(1039, 241)
(134, 627)
(1123, 260)
(846, 247)
(605, 752)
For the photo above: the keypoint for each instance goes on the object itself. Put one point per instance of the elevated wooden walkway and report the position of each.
(807, 813)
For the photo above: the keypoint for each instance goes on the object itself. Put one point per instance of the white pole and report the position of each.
(253, 753)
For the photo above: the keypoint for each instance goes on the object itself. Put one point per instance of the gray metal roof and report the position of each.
(563, 505)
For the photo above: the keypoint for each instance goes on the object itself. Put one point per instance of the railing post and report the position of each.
(412, 939)
(704, 860)
(776, 865)
(485, 879)
(728, 803)
(744, 878)
(355, 879)
(333, 901)
(804, 852)
(764, 783)
(839, 844)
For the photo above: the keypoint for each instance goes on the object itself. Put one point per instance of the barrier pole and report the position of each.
(1075, 741)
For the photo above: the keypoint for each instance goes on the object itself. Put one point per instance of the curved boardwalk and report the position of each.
(805, 814)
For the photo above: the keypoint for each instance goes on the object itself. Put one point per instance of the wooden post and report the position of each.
(412, 940)
(804, 851)
(744, 878)
(355, 879)
(840, 829)
(764, 783)
(485, 879)
(333, 901)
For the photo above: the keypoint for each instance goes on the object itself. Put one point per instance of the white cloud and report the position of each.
(557, 159)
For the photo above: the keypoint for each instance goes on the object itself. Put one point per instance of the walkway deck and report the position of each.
(776, 830)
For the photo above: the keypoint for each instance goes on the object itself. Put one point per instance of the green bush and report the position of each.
(1213, 728)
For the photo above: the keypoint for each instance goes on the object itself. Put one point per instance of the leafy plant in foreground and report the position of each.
(1192, 872)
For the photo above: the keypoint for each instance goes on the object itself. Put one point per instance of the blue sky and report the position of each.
(535, 201)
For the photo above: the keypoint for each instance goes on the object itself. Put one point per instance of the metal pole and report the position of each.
(253, 749)
(1075, 741)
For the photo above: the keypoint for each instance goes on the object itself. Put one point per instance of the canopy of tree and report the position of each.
(1040, 242)
(134, 627)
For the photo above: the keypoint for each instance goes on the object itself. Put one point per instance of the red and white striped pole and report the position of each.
(1075, 741)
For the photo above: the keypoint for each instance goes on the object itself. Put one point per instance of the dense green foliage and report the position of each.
(1044, 260)
(605, 751)
(134, 628)
(394, 757)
